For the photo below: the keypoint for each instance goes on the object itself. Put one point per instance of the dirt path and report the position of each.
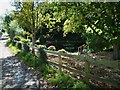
(14, 73)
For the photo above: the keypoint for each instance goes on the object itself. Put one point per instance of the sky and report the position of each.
(5, 6)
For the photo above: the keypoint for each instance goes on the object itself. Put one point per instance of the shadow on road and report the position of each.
(15, 74)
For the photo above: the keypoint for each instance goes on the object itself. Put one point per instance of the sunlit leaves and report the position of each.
(14, 26)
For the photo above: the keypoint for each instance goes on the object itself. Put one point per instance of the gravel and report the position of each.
(15, 74)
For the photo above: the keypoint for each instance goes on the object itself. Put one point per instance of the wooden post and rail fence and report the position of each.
(86, 73)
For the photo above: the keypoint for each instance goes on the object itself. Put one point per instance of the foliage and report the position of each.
(29, 59)
(19, 45)
(41, 46)
(28, 16)
(13, 48)
(14, 26)
(81, 85)
(96, 23)
(52, 48)
(62, 51)
(89, 19)
(8, 42)
(13, 42)
(6, 22)
(26, 47)
(37, 42)
(11, 25)
(25, 34)
(42, 55)
(17, 38)
(61, 80)
(11, 34)
(25, 40)
(55, 78)
(42, 39)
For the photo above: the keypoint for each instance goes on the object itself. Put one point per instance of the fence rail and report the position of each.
(86, 72)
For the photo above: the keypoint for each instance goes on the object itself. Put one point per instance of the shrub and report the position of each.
(42, 55)
(29, 38)
(25, 40)
(62, 80)
(37, 42)
(11, 34)
(17, 38)
(81, 85)
(25, 34)
(52, 48)
(13, 42)
(29, 59)
(41, 46)
(26, 47)
(8, 42)
(58, 79)
(19, 45)
(62, 51)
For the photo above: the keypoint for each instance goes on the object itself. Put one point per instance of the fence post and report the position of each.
(87, 71)
(60, 62)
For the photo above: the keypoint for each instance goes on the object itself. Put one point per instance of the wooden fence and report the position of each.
(86, 72)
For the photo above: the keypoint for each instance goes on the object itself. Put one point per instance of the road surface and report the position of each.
(14, 73)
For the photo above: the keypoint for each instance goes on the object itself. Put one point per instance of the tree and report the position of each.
(98, 20)
(6, 22)
(104, 21)
(28, 17)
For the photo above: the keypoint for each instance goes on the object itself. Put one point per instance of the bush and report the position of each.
(29, 59)
(42, 55)
(57, 79)
(52, 48)
(25, 40)
(81, 85)
(11, 34)
(62, 51)
(13, 42)
(19, 45)
(26, 47)
(37, 42)
(8, 42)
(25, 34)
(29, 38)
(17, 38)
(62, 80)
(41, 46)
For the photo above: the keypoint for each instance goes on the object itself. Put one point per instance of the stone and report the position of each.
(30, 82)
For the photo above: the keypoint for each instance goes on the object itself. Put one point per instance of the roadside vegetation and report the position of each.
(72, 27)
(42, 68)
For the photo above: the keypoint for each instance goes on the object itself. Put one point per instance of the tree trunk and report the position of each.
(33, 44)
(33, 30)
(116, 51)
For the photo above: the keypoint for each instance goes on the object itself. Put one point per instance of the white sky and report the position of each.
(5, 6)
